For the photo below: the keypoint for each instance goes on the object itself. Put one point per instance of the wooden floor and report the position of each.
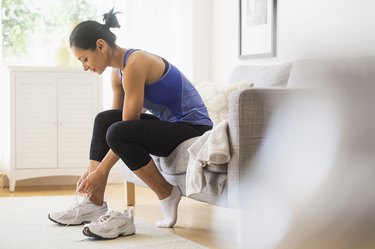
(208, 225)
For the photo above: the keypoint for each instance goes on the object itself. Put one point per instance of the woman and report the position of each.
(139, 80)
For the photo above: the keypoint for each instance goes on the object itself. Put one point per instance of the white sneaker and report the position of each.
(111, 225)
(84, 212)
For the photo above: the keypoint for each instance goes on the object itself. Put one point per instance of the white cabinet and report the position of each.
(51, 120)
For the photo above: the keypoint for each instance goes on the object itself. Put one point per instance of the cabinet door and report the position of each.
(78, 105)
(35, 121)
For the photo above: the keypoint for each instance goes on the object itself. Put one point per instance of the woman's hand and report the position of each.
(93, 181)
(82, 178)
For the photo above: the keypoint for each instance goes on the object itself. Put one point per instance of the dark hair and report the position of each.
(86, 33)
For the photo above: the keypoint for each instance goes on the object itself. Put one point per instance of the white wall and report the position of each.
(176, 30)
(1, 38)
(202, 41)
(305, 28)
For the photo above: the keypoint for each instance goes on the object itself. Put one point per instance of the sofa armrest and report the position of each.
(249, 114)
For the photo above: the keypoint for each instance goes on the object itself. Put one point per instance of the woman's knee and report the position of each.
(116, 134)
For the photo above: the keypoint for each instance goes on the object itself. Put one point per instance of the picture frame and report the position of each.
(257, 24)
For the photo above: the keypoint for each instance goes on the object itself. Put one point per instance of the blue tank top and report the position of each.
(173, 98)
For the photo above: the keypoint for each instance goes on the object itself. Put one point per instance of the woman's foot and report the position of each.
(169, 208)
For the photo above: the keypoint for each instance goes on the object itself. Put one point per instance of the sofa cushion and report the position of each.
(327, 72)
(216, 97)
(310, 72)
(261, 76)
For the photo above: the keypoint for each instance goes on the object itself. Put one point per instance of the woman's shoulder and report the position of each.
(136, 57)
(141, 59)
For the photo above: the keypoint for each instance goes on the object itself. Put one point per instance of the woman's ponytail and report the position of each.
(110, 19)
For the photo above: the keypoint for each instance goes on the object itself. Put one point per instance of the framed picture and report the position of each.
(257, 28)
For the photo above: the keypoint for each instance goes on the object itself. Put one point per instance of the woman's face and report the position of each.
(95, 61)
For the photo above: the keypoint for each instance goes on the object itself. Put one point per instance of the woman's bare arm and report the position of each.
(117, 90)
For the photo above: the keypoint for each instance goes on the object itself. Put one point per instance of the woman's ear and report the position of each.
(101, 44)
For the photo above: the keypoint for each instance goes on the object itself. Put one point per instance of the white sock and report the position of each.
(169, 207)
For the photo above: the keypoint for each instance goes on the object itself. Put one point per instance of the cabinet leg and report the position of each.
(1, 181)
(12, 185)
(129, 193)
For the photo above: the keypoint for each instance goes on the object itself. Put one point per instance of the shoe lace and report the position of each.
(106, 217)
(76, 206)
(78, 203)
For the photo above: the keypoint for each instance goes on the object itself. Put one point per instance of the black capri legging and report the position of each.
(134, 140)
